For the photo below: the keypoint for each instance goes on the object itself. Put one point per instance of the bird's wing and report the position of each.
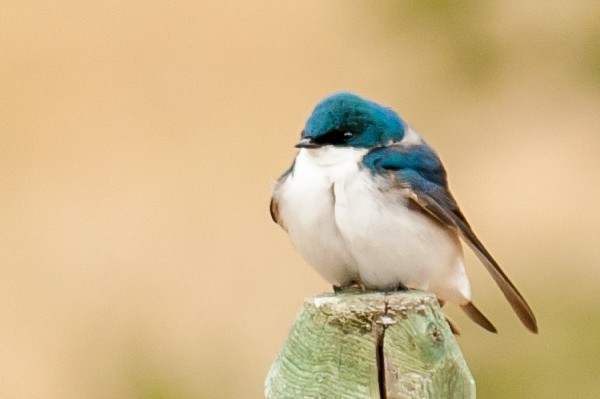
(274, 205)
(274, 209)
(418, 169)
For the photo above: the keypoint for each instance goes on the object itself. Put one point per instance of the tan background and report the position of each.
(139, 140)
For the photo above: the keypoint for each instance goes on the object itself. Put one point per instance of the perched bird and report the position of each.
(366, 202)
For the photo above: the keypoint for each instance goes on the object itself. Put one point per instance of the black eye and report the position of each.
(334, 136)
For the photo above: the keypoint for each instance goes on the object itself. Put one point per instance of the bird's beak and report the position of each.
(307, 143)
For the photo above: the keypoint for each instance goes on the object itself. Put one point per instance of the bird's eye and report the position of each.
(334, 137)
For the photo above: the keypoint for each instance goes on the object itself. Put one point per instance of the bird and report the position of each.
(366, 203)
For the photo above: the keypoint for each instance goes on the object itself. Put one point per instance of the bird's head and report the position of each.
(347, 120)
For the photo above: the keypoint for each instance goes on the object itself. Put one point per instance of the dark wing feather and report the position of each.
(419, 170)
(509, 290)
(274, 210)
(274, 205)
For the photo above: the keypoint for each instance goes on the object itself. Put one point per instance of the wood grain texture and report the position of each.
(331, 350)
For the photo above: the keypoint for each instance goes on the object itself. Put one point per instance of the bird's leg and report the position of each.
(352, 285)
(401, 287)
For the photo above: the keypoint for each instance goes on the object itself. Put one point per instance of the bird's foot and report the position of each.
(352, 286)
(401, 287)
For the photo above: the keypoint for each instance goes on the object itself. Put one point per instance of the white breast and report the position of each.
(350, 230)
(306, 202)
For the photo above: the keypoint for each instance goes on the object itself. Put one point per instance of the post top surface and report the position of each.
(371, 302)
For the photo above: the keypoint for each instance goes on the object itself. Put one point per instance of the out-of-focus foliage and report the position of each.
(457, 30)
(480, 42)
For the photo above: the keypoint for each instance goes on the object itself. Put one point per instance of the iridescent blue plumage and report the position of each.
(369, 123)
(417, 165)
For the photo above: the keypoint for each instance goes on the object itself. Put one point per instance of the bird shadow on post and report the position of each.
(370, 345)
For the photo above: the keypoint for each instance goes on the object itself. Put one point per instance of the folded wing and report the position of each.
(419, 170)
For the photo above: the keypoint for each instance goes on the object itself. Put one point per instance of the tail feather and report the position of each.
(514, 297)
(453, 326)
(478, 317)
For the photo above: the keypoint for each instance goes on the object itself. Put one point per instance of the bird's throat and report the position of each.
(332, 156)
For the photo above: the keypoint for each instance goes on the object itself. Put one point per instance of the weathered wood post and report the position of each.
(370, 345)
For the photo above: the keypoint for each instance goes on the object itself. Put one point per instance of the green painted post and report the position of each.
(370, 345)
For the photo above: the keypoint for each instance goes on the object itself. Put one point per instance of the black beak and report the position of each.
(307, 143)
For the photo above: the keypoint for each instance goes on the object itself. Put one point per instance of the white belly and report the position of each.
(306, 205)
(348, 230)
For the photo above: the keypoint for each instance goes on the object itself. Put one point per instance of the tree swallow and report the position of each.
(366, 202)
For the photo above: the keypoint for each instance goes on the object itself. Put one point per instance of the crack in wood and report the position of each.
(380, 355)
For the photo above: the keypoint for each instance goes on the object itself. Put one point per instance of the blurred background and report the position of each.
(139, 141)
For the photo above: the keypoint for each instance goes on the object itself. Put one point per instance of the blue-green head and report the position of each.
(347, 120)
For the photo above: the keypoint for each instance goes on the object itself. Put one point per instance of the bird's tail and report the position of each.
(478, 317)
(452, 324)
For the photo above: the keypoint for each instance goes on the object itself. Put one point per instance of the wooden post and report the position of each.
(370, 345)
